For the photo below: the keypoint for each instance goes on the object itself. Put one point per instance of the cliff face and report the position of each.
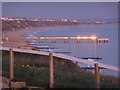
(15, 24)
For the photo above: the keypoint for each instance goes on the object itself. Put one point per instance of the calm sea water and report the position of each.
(108, 52)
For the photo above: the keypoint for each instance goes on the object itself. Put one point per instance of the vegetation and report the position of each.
(34, 70)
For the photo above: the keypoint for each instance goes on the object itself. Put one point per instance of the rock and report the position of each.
(4, 82)
(18, 84)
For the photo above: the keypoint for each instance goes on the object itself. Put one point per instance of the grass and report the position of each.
(34, 70)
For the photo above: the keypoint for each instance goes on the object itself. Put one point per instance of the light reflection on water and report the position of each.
(108, 52)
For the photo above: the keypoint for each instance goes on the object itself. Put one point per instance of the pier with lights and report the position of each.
(66, 39)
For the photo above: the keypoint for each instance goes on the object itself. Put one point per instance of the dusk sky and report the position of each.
(57, 10)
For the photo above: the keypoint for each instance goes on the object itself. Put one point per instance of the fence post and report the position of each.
(97, 76)
(51, 73)
(11, 64)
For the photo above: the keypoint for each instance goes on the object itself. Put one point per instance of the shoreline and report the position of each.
(18, 40)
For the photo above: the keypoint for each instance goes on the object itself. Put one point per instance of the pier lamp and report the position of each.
(85, 37)
(93, 37)
(78, 37)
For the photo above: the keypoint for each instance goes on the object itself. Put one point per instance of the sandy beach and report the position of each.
(16, 38)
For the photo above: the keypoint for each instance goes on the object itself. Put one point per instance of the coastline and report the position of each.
(16, 38)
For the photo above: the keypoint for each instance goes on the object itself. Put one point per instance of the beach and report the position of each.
(16, 38)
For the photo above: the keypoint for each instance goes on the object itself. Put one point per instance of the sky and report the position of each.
(58, 10)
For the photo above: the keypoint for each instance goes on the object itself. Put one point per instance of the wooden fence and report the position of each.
(97, 66)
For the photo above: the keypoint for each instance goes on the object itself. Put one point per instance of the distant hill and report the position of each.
(12, 24)
(26, 23)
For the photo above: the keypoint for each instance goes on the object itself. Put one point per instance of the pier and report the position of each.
(67, 39)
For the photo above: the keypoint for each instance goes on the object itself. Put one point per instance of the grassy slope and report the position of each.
(34, 70)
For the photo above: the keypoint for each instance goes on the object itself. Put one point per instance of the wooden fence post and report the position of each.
(97, 76)
(51, 73)
(11, 64)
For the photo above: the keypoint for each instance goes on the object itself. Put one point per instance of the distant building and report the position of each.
(64, 20)
(74, 20)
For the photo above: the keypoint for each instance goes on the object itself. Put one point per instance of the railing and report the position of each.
(52, 55)
(71, 58)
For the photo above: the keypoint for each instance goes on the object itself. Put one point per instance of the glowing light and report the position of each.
(78, 37)
(93, 37)
(85, 37)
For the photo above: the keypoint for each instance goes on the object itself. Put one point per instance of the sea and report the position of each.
(107, 51)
